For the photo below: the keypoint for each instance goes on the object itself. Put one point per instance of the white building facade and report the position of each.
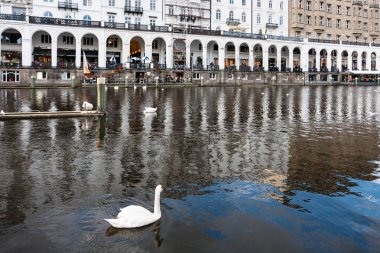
(270, 17)
(231, 15)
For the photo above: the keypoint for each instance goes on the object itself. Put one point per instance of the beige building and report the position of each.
(346, 20)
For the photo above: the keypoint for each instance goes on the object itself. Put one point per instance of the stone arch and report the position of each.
(284, 64)
(66, 50)
(114, 50)
(373, 61)
(344, 61)
(90, 46)
(158, 52)
(258, 57)
(42, 50)
(212, 55)
(312, 60)
(323, 60)
(229, 55)
(11, 47)
(272, 58)
(354, 57)
(196, 54)
(244, 56)
(296, 59)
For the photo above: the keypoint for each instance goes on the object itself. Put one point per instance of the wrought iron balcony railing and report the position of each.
(67, 5)
(132, 9)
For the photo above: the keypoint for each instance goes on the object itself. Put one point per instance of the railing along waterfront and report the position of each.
(13, 17)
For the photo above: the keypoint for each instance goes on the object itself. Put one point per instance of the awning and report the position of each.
(41, 51)
(362, 72)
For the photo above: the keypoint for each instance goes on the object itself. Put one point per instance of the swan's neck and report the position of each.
(157, 209)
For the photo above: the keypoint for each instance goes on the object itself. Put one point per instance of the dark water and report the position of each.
(256, 169)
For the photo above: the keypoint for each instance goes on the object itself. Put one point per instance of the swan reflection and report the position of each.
(138, 233)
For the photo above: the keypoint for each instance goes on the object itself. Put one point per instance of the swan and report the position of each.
(87, 106)
(150, 109)
(136, 216)
(2, 112)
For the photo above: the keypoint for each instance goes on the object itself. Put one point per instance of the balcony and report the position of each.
(271, 25)
(375, 6)
(374, 33)
(12, 17)
(319, 28)
(298, 26)
(357, 2)
(231, 21)
(133, 10)
(67, 5)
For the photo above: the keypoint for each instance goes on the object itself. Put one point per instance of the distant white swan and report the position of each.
(150, 109)
(87, 106)
(136, 216)
(2, 112)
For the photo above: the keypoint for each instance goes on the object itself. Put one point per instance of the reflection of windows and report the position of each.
(10, 76)
(45, 38)
(88, 41)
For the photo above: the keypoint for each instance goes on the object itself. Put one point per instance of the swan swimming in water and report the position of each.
(136, 216)
(87, 106)
(2, 112)
(150, 109)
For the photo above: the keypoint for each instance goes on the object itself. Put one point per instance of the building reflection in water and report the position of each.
(294, 138)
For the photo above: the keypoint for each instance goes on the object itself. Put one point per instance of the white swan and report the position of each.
(2, 112)
(87, 106)
(150, 109)
(136, 216)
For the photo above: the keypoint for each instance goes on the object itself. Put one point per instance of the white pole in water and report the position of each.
(101, 93)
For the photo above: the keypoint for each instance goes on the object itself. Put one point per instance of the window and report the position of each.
(299, 19)
(68, 40)
(328, 22)
(152, 5)
(231, 15)
(87, 2)
(11, 76)
(243, 2)
(48, 1)
(270, 4)
(212, 76)
(152, 23)
(41, 75)
(138, 21)
(87, 18)
(321, 21)
(45, 38)
(171, 10)
(281, 6)
(155, 44)
(68, 16)
(308, 5)
(348, 11)
(365, 27)
(48, 14)
(196, 76)
(111, 18)
(348, 24)
(66, 76)
(308, 34)
(88, 41)
(128, 20)
(270, 19)
(112, 42)
(329, 8)
(321, 6)
(18, 11)
(308, 20)
(359, 26)
(258, 19)
(111, 3)
(338, 9)
(231, 1)
(281, 20)
(359, 11)
(300, 4)
(338, 23)
(243, 18)
(258, 3)
(218, 16)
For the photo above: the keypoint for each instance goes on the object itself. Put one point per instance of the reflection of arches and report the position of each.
(11, 47)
